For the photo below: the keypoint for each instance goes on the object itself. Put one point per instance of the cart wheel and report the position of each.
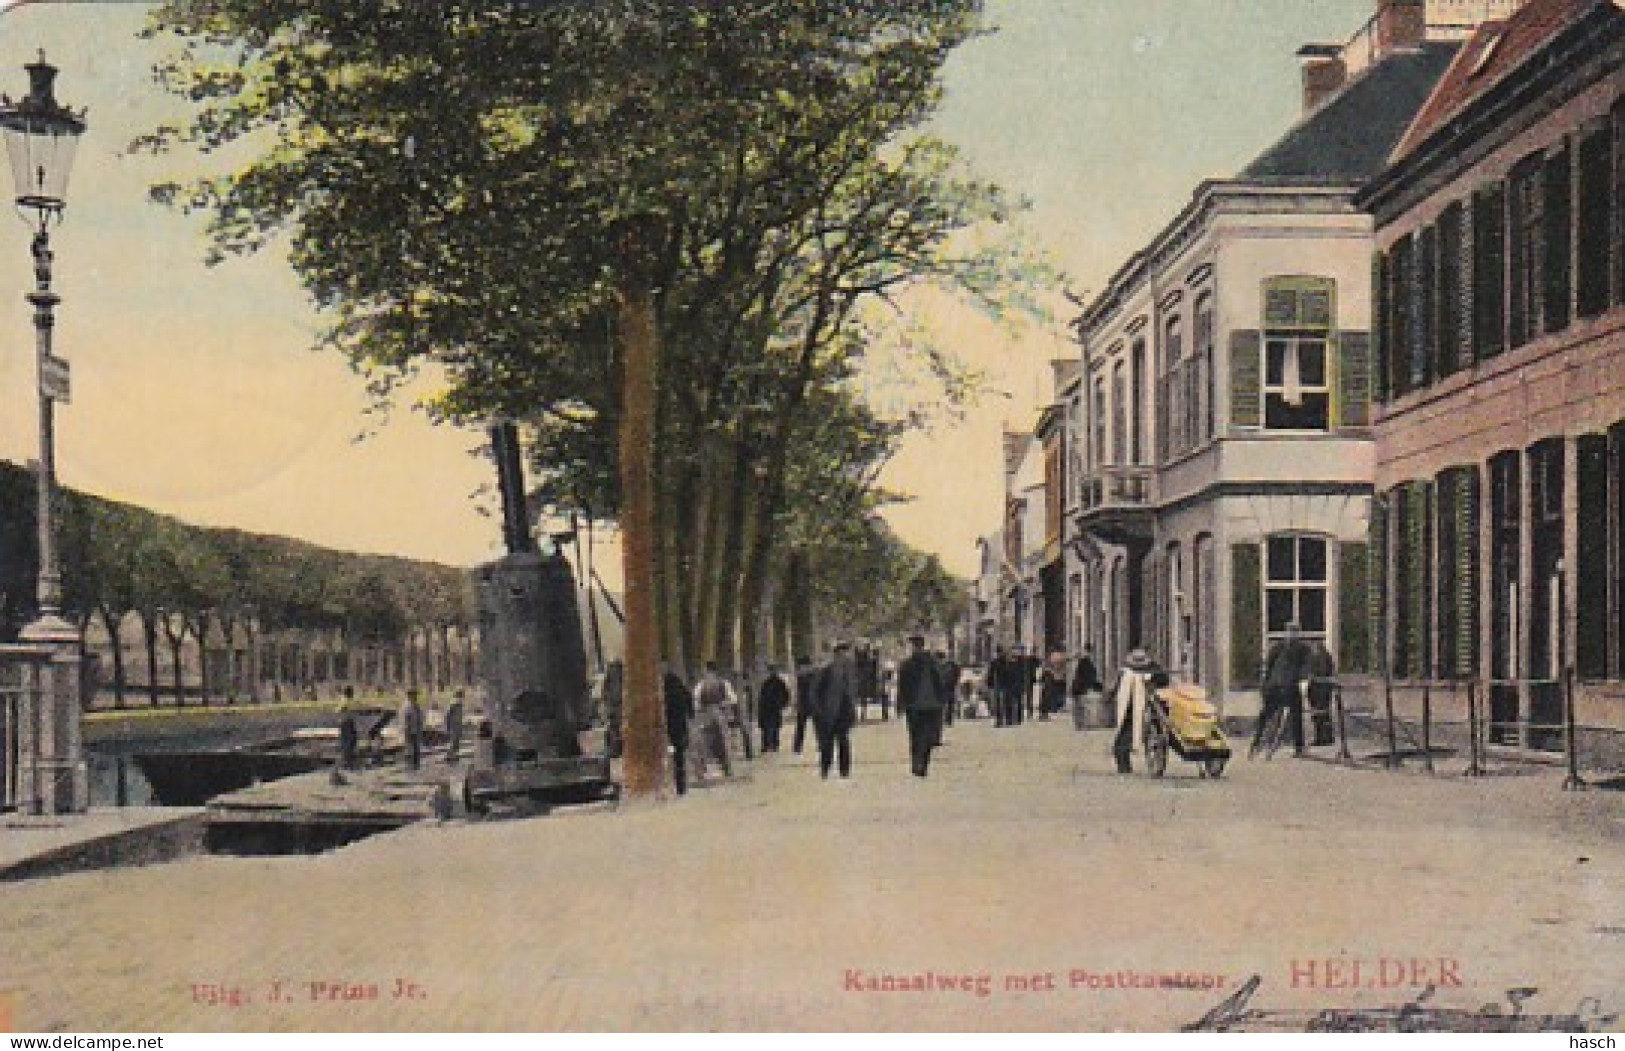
(1214, 767)
(1156, 751)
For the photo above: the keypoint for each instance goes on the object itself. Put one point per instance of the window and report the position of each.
(1546, 558)
(1119, 417)
(1137, 404)
(1425, 342)
(1619, 201)
(1506, 542)
(1295, 584)
(1595, 224)
(1097, 448)
(1527, 222)
(1489, 272)
(1201, 376)
(1398, 334)
(1173, 431)
(1558, 238)
(1297, 345)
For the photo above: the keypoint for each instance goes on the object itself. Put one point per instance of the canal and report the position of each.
(113, 739)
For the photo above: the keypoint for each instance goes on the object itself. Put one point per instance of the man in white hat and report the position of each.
(1131, 693)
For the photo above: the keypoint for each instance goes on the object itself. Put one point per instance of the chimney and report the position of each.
(1324, 73)
(1401, 24)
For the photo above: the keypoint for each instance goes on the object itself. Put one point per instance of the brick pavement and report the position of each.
(761, 904)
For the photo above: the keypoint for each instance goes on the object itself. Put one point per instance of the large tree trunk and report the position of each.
(644, 715)
(799, 578)
(729, 566)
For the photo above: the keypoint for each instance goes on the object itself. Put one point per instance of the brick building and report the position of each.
(1500, 425)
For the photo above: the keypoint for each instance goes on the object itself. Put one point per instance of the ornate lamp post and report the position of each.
(41, 136)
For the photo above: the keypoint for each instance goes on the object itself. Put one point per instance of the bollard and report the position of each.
(1573, 783)
(1393, 737)
(1427, 725)
(1343, 753)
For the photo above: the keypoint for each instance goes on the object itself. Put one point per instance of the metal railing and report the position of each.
(1112, 487)
(1484, 738)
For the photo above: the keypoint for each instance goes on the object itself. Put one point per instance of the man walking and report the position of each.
(679, 710)
(1130, 694)
(1085, 680)
(835, 709)
(951, 673)
(1286, 669)
(920, 701)
(997, 673)
(806, 684)
(412, 729)
(454, 727)
(714, 698)
(771, 701)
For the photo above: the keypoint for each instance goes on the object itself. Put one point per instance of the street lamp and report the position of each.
(41, 136)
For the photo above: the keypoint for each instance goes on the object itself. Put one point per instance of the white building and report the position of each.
(1223, 438)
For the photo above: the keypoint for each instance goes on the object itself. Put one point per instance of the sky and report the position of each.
(196, 391)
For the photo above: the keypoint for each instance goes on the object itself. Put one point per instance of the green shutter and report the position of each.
(1416, 550)
(1591, 572)
(1246, 379)
(1352, 407)
(1377, 593)
(1353, 616)
(1382, 317)
(1247, 615)
(1466, 496)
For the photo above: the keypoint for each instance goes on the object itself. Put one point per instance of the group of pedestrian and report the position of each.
(1010, 678)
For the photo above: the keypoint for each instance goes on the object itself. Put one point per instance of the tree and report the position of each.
(712, 185)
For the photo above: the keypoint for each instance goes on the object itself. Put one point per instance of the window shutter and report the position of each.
(1417, 551)
(1380, 343)
(1377, 592)
(1591, 573)
(1353, 617)
(1466, 497)
(1352, 407)
(1558, 238)
(1247, 615)
(1245, 379)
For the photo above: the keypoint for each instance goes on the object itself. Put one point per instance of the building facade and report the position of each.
(1224, 432)
(1500, 381)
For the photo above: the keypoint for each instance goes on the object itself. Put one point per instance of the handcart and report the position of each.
(1180, 719)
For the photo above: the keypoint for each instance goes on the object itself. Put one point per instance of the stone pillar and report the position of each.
(54, 777)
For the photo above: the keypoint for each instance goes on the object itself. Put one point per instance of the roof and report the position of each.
(1348, 139)
(1495, 50)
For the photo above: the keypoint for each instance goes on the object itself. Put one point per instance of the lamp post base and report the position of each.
(54, 777)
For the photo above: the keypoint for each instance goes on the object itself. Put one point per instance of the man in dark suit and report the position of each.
(679, 710)
(997, 673)
(834, 710)
(920, 700)
(806, 683)
(1286, 669)
(770, 704)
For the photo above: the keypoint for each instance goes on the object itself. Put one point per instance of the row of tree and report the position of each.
(194, 589)
(664, 235)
